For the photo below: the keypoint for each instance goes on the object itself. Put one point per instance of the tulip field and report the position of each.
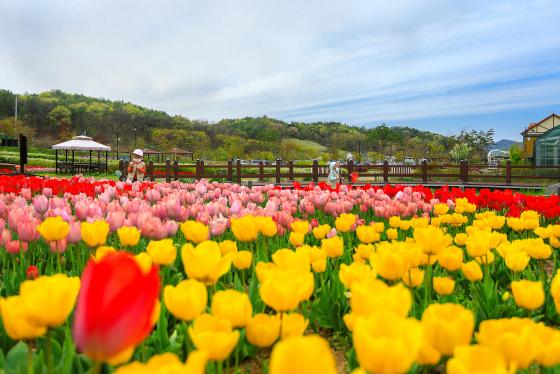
(100, 276)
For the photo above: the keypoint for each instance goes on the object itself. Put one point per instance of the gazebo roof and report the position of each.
(81, 143)
(176, 150)
(148, 151)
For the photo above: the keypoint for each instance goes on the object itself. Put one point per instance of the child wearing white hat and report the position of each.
(136, 167)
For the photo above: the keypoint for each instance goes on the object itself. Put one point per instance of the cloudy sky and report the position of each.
(436, 65)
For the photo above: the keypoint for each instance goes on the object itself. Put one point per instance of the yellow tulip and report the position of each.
(187, 300)
(293, 324)
(302, 354)
(394, 221)
(53, 229)
(528, 294)
(213, 335)
(390, 262)
(50, 299)
(370, 296)
(440, 209)
(443, 285)
(344, 222)
(263, 330)
(476, 359)
(296, 238)
(167, 363)
(162, 252)
(95, 234)
(517, 260)
(242, 260)
(227, 246)
(205, 261)
(333, 246)
(100, 252)
(320, 265)
(232, 305)
(284, 290)
(195, 231)
(451, 258)
(267, 226)
(364, 251)
(427, 355)
(286, 259)
(548, 340)
(432, 239)
(129, 236)
(144, 261)
(512, 337)
(392, 234)
(413, 277)
(479, 244)
(321, 231)
(367, 234)
(355, 272)
(555, 290)
(15, 319)
(447, 326)
(301, 227)
(472, 271)
(245, 228)
(387, 343)
(460, 239)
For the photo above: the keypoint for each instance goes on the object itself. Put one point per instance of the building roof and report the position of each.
(81, 143)
(535, 124)
(148, 151)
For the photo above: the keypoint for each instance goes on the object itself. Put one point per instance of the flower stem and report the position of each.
(30, 357)
(428, 284)
(49, 352)
(96, 368)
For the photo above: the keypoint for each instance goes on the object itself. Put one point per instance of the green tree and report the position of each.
(515, 154)
(460, 152)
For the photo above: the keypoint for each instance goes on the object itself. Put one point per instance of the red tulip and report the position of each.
(32, 272)
(116, 307)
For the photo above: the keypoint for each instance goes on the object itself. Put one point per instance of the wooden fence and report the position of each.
(287, 172)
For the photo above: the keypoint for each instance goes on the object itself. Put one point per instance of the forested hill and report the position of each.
(52, 116)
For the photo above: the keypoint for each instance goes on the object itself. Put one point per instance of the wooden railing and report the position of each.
(287, 172)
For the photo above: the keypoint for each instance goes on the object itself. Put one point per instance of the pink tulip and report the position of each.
(218, 226)
(40, 203)
(58, 246)
(15, 246)
(171, 228)
(75, 234)
(27, 230)
(115, 220)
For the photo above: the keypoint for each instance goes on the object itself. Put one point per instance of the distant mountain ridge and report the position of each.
(504, 144)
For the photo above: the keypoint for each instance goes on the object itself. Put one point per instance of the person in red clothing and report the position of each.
(136, 167)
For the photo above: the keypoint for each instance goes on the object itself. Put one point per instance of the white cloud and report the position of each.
(357, 61)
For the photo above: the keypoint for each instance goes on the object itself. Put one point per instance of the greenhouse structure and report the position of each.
(547, 148)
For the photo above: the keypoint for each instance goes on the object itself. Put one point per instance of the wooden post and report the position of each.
(73, 171)
(230, 171)
(151, 170)
(106, 162)
(90, 159)
(315, 171)
(176, 170)
(98, 160)
(461, 171)
(466, 172)
(261, 171)
(167, 171)
(424, 171)
(385, 171)
(277, 171)
(291, 170)
(197, 170)
(238, 171)
(121, 169)
(508, 172)
(56, 161)
(201, 169)
(350, 167)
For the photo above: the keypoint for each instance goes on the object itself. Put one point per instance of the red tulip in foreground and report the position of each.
(116, 307)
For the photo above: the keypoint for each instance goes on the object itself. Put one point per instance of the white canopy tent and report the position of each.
(81, 143)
